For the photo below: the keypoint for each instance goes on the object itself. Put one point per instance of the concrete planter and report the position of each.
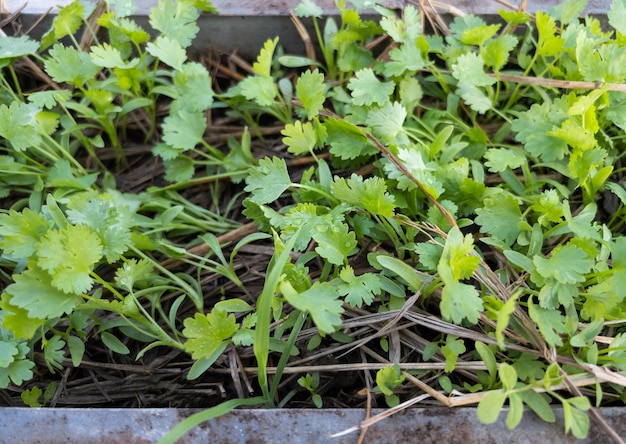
(243, 26)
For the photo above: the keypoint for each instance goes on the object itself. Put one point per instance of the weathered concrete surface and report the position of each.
(301, 426)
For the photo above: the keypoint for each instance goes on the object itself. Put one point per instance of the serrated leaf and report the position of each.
(109, 57)
(268, 181)
(335, 242)
(68, 20)
(532, 127)
(300, 138)
(14, 47)
(550, 322)
(499, 216)
(370, 194)
(617, 16)
(69, 255)
(183, 130)
(470, 68)
(358, 290)
(568, 265)
(168, 50)
(261, 89)
(263, 64)
(387, 122)
(310, 89)
(321, 301)
(460, 301)
(207, 333)
(66, 64)
(367, 89)
(477, 35)
(497, 51)
(18, 125)
(33, 291)
(19, 232)
(346, 140)
(175, 19)
(308, 8)
(499, 159)
(549, 44)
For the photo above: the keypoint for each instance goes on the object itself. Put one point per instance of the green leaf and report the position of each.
(387, 122)
(168, 50)
(470, 68)
(66, 64)
(106, 56)
(500, 216)
(263, 64)
(60, 175)
(549, 44)
(113, 343)
(207, 333)
(192, 78)
(457, 260)
(508, 376)
(335, 242)
(460, 301)
(179, 169)
(300, 138)
(503, 318)
(367, 89)
(12, 48)
(19, 232)
(268, 181)
(389, 379)
(69, 255)
(617, 16)
(499, 159)
(532, 128)
(358, 290)
(406, 58)
(550, 323)
(18, 125)
(402, 269)
(516, 411)
(54, 353)
(477, 35)
(31, 397)
(310, 89)
(183, 130)
(498, 51)
(568, 10)
(568, 265)
(538, 404)
(489, 358)
(261, 89)
(370, 194)
(175, 19)
(576, 421)
(451, 351)
(346, 140)
(321, 301)
(68, 20)
(490, 406)
(77, 349)
(33, 291)
(308, 8)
